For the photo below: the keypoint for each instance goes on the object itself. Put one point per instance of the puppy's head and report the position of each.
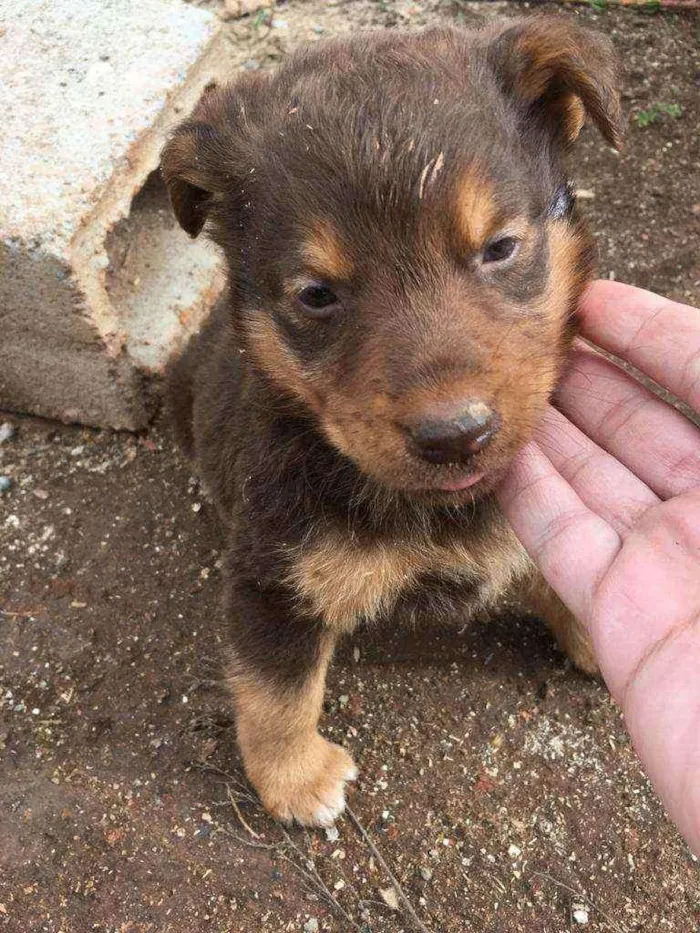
(404, 252)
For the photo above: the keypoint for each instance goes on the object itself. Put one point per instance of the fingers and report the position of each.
(646, 630)
(658, 336)
(572, 545)
(604, 484)
(656, 442)
(663, 717)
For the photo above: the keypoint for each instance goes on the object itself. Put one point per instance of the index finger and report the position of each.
(658, 336)
(572, 545)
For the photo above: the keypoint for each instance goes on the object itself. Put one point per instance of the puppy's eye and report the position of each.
(318, 299)
(500, 250)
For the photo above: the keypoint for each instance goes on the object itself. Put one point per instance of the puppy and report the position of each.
(404, 262)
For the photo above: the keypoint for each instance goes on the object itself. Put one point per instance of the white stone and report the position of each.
(96, 284)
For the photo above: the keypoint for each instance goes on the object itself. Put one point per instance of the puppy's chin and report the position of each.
(448, 485)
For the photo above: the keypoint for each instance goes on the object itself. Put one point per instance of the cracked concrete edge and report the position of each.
(88, 251)
(72, 364)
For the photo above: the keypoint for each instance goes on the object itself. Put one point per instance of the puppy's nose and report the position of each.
(453, 437)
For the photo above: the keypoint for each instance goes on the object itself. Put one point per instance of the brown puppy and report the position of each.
(404, 261)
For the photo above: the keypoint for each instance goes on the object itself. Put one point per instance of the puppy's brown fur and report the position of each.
(380, 168)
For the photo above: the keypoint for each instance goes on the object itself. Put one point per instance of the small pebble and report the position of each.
(311, 926)
(426, 873)
(7, 432)
(233, 9)
(579, 912)
(332, 834)
(5, 483)
(390, 898)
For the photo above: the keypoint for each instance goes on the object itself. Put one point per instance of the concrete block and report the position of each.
(97, 283)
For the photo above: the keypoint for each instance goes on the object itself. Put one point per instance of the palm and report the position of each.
(607, 500)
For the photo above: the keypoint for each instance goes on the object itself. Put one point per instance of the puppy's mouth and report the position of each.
(460, 483)
(453, 483)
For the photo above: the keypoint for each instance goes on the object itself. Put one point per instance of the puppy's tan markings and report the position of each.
(571, 635)
(477, 214)
(568, 274)
(270, 351)
(324, 254)
(346, 583)
(297, 773)
(573, 116)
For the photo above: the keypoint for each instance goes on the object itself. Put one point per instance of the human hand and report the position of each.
(607, 501)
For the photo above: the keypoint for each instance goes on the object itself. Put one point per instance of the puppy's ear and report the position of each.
(204, 158)
(560, 71)
(190, 187)
(191, 161)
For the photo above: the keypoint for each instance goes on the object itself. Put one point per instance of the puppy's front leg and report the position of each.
(571, 635)
(277, 677)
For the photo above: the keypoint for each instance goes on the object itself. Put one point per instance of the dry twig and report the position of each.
(646, 5)
(380, 858)
(238, 813)
(615, 927)
(316, 880)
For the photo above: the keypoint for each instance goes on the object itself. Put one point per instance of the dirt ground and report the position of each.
(497, 785)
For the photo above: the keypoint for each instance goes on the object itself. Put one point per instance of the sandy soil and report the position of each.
(497, 784)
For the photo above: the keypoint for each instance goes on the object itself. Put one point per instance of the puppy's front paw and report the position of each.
(309, 786)
(581, 653)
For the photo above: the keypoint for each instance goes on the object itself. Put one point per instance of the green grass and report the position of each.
(650, 6)
(655, 112)
(262, 18)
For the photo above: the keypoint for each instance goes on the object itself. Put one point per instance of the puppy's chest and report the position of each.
(346, 582)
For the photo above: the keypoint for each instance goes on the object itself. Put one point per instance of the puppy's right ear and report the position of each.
(190, 162)
(202, 159)
(183, 165)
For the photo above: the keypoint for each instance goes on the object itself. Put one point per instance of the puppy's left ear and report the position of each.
(560, 72)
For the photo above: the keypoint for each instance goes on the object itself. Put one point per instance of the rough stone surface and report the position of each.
(88, 93)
